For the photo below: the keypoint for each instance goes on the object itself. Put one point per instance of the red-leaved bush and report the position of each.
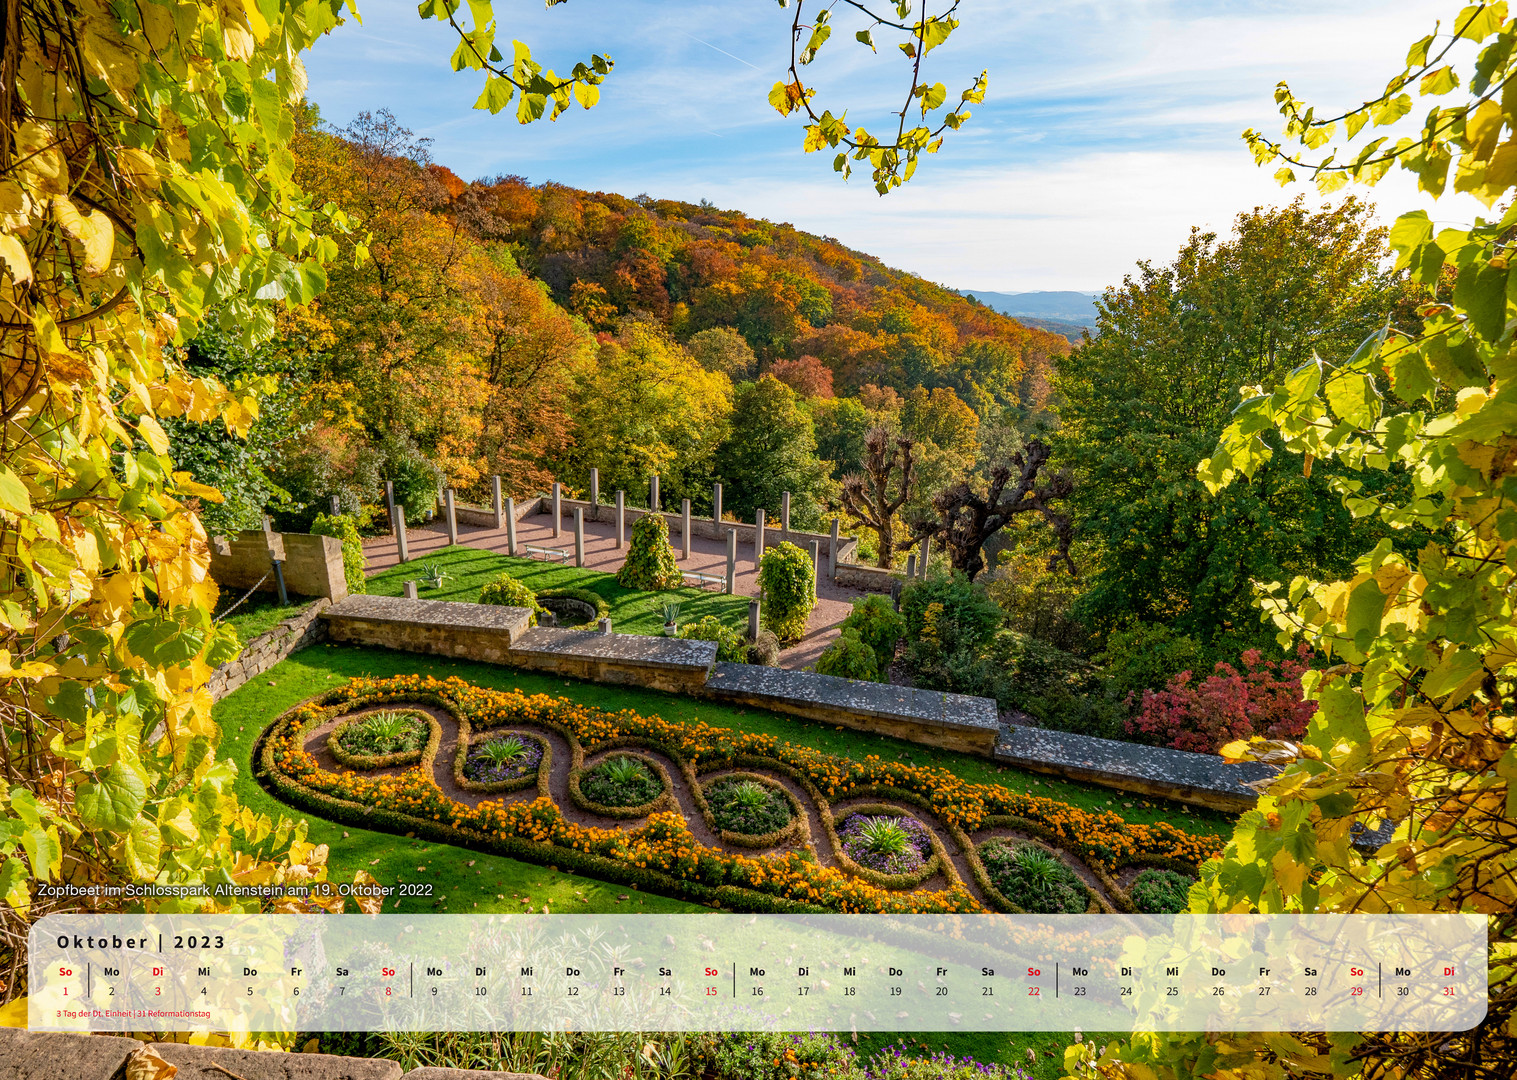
(1264, 699)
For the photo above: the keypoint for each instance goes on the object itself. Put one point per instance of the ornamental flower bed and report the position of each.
(492, 761)
(889, 845)
(661, 853)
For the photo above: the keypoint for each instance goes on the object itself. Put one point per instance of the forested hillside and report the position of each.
(535, 331)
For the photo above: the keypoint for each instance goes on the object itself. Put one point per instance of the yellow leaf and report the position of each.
(13, 1015)
(93, 230)
(146, 1064)
(40, 167)
(148, 428)
(14, 256)
(138, 165)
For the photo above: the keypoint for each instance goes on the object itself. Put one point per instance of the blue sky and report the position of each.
(1110, 128)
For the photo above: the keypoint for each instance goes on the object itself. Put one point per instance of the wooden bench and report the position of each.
(546, 553)
(702, 580)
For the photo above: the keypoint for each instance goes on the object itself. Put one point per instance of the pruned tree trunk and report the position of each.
(867, 499)
(967, 519)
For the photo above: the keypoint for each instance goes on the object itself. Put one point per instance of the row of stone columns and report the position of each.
(505, 513)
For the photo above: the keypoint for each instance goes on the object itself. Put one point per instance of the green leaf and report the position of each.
(1408, 234)
(1366, 607)
(141, 850)
(866, 38)
(1353, 398)
(113, 801)
(1457, 665)
(13, 884)
(13, 494)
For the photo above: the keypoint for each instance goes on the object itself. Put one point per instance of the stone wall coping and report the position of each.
(933, 707)
(49, 1055)
(636, 650)
(1044, 750)
(445, 613)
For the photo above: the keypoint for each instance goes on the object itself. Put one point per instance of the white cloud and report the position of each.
(1112, 127)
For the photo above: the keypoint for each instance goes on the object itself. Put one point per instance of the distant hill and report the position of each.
(1075, 332)
(1070, 307)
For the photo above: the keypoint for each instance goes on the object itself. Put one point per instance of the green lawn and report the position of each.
(257, 614)
(633, 611)
(467, 882)
(244, 713)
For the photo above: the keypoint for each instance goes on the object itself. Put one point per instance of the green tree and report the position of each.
(771, 450)
(723, 349)
(1414, 725)
(1144, 401)
(840, 424)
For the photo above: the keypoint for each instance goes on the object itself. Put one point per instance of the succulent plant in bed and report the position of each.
(891, 845)
(507, 757)
(747, 807)
(1033, 878)
(385, 732)
(621, 781)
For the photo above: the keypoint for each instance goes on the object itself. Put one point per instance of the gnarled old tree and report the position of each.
(867, 499)
(967, 518)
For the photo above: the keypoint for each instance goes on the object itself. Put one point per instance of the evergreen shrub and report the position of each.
(650, 560)
(345, 528)
(785, 584)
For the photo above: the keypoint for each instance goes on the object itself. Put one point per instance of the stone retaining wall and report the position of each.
(302, 628)
(312, 565)
(39, 1055)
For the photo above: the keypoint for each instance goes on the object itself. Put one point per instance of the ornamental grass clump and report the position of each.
(1161, 892)
(1034, 879)
(650, 560)
(383, 733)
(508, 757)
(891, 845)
(621, 781)
(747, 807)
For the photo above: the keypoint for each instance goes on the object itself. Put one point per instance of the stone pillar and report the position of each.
(496, 502)
(400, 534)
(390, 502)
(785, 516)
(558, 502)
(510, 526)
(758, 538)
(684, 529)
(336, 506)
(731, 560)
(653, 493)
(753, 619)
(410, 589)
(594, 494)
(579, 536)
(926, 555)
(605, 626)
(816, 565)
(911, 565)
(716, 507)
(832, 553)
(621, 520)
(447, 502)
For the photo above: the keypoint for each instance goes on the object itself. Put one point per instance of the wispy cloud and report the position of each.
(1111, 128)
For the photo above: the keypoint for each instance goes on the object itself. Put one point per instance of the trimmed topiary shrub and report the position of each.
(345, 528)
(506, 591)
(730, 647)
(849, 658)
(879, 626)
(1161, 892)
(785, 586)
(650, 560)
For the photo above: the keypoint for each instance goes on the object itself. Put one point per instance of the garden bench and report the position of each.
(546, 553)
(703, 580)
